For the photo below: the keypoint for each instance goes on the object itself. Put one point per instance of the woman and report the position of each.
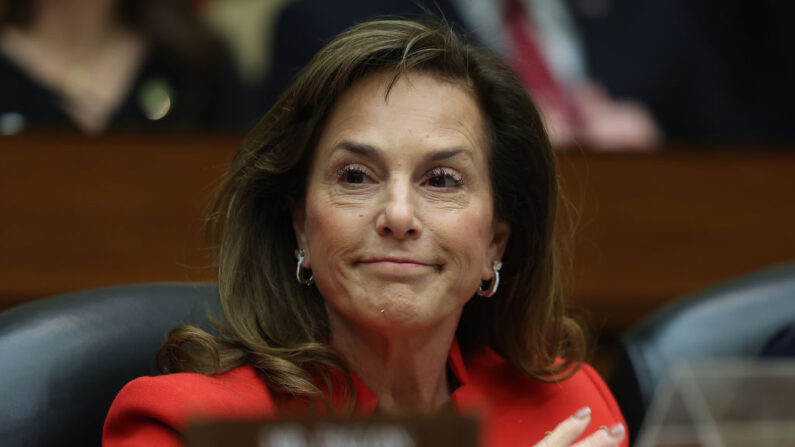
(103, 65)
(385, 243)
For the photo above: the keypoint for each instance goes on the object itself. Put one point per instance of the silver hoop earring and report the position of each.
(491, 288)
(299, 270)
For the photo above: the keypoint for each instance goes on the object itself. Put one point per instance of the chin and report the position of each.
(409, 315)
(394, 307)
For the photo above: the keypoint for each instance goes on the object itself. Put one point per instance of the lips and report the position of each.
(394, 260)
(400, 265)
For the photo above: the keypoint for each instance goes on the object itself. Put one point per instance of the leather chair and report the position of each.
(63, 359)
(735, 319)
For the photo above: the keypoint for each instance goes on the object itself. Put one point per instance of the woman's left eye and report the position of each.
(443, 178)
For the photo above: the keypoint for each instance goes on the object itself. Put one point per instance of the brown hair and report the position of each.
(279, 326)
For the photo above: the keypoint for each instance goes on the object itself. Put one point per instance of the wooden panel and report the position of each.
(656, 226)
(79, 212)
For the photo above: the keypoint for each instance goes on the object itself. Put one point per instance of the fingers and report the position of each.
(568, 430)
(604, 437)
(573, 427)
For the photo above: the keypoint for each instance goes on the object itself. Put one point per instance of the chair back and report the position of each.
(63, 359)
(735, 319)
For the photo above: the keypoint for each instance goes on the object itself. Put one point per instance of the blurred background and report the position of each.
(672, 119)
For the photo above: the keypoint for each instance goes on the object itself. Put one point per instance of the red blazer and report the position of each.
(515, 410)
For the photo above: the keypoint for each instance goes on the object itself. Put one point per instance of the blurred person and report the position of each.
(385, 240)
(99, 65)
(541, 42)
(712, 72)
(537, 38)
(302, 27)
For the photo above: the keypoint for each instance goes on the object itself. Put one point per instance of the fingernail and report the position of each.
(582, 413)
(616, 431)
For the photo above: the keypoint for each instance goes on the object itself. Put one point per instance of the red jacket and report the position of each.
(515, 410)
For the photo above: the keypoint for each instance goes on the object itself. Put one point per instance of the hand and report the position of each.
(610, 125)
(571, 429)
(604, 124)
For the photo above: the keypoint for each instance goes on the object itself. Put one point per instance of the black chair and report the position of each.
(64, 358)
(735, 319)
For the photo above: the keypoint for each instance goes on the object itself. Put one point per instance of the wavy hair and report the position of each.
(280, 327)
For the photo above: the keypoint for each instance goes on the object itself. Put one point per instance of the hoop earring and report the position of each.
(491, 288)
(299, 270)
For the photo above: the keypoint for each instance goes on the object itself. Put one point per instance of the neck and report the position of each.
(76, 29)
(406, 371)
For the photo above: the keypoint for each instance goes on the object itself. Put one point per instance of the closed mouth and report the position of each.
(393, 260)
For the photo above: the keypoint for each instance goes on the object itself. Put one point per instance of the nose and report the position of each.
(398, 217)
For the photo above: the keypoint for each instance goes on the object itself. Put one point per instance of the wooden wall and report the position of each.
(656, 226)
(78, 212)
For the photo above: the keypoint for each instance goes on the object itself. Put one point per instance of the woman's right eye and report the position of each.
(352, 174)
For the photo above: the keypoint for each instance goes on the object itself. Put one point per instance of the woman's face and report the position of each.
(398, 222)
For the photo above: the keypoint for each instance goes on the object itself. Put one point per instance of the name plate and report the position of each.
(383, 431)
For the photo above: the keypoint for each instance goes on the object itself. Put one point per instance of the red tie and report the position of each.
(529, 63)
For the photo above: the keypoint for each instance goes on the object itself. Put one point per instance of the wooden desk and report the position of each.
(79, 212)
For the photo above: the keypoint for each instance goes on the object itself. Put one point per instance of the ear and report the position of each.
(299, 226)
(500, 233)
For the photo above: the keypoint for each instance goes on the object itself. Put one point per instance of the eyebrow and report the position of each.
(369, 150)
(357, 148)
(448, 153)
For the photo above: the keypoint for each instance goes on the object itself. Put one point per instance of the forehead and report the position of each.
(418, 108)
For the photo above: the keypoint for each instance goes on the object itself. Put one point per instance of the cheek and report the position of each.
(468, 240)
(327, 231)
(334, 235)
